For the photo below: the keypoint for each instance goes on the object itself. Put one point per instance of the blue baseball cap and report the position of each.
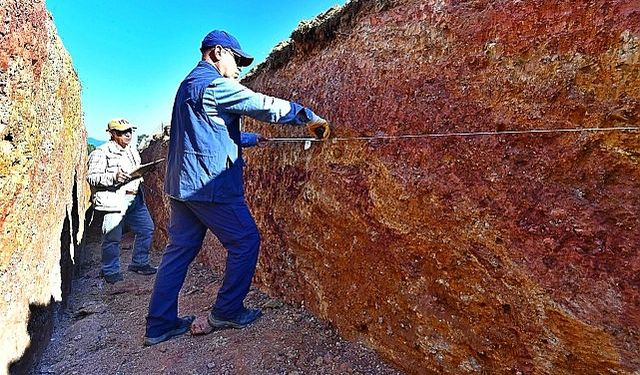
(226, 40)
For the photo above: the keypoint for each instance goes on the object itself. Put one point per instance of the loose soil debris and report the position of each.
(102, 328)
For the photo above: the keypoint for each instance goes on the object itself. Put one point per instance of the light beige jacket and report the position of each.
(104, 163)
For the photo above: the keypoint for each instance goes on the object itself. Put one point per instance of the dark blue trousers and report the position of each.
(234, 226)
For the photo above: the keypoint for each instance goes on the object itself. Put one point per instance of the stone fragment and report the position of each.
(272, 304)
(88, 308)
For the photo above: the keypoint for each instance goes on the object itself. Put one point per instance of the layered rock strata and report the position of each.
(42, 172)
(506, 254)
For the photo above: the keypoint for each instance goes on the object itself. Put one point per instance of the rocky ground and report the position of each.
(101, 331)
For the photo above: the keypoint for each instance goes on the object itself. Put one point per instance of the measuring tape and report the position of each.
(307, 141)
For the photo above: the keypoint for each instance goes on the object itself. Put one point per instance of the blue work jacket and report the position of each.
(204, 161)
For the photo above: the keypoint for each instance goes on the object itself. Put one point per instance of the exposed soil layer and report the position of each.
(43, 194)
(101, 333)
(499, 254)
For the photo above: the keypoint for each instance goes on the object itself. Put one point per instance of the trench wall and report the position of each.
(503, 254)
(42, 179)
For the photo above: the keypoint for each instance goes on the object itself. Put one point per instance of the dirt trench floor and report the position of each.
(101, 330)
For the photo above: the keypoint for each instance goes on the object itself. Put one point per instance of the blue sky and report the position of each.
(131, 54)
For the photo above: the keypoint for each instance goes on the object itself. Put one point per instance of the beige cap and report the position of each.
(119, 124)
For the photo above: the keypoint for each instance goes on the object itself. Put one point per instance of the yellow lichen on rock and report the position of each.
(42, 172)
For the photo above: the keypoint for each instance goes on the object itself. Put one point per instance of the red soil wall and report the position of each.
(504, 254)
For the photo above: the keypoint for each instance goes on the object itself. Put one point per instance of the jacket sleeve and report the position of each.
(231, 96)
(248, 139)
(97, 175)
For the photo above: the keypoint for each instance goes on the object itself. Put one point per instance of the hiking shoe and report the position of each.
(146, 269)
(183, 326)
(112, 278)
(241, 320)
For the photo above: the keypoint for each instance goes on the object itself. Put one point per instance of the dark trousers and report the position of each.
(138, 218)
(234, 226)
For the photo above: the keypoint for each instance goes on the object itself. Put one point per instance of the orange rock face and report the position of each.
(504, 254)
(42, 172)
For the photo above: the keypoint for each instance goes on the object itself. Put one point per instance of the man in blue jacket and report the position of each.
(204, 181)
